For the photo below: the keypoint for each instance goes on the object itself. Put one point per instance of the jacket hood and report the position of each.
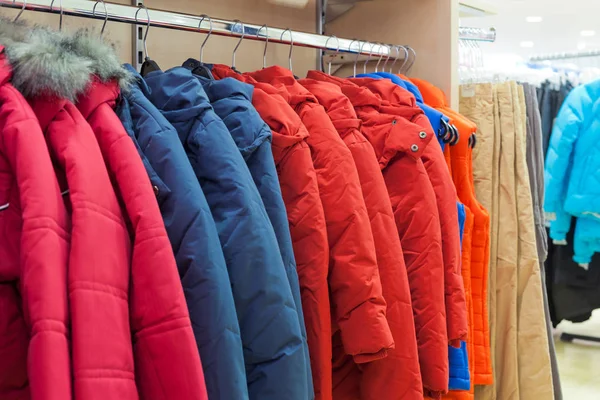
(50, 63)
(232, 101)
(284, 80)
(40, 64)
(338, 106)
(432, 95)
(178, 94)
(388, 91)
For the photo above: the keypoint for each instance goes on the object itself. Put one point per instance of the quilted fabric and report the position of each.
(355, 287)
(571, 176)
(417, 221)
(232, 101)
(271, 336)
(461, 158)
(167, 364)
(403, 103)
(195, 242)
(34, 348)
(306, 219)
(396, 376)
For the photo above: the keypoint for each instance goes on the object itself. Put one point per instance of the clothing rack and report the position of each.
(565, 56)
(477, 34)
(193, 23)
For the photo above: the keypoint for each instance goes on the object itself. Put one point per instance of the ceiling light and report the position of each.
(588, 33)
(581, 46)
(534, 19)
(527, 44)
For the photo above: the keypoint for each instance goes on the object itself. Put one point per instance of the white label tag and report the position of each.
(467, 90)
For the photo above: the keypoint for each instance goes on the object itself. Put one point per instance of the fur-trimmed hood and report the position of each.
(46, 62)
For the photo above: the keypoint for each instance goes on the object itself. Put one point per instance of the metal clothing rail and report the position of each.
(477, 34)
(193, 23)
(565, 56)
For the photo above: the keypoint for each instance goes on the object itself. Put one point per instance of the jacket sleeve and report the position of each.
(355, 286)
(562, 142)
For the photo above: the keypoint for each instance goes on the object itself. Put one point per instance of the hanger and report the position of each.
(357, 54)
(336, 52)
(404, 60)
(105, 15)
(413, 60)
(199, 68)
(369, 58)
(395, 59)
(266, 43)
(291, 47)
(389, 55)
(389, 51)
(19, 16)
(149, 65)
(61, 13)
(238, 43)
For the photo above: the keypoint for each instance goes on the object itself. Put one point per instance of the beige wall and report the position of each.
(430, 27)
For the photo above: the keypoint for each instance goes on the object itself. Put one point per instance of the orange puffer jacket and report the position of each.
(398, 375)
(461, 156)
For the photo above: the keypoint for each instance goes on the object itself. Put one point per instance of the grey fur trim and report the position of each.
(105, 63)
(40, 64)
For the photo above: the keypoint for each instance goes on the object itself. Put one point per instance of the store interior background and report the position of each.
(526, 28)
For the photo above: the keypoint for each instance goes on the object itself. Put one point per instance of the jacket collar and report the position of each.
(5, 70)
(55, 64)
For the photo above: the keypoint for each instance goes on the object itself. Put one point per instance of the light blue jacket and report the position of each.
(572, 171)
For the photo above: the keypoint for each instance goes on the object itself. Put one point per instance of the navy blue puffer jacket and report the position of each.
(232, 101)
(271, 336)
(195, 241)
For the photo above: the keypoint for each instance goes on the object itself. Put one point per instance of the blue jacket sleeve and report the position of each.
(559, 157)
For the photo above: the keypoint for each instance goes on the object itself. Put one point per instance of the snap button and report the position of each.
(422, 135)
(394, 122)
(414, 148)
(156, 191)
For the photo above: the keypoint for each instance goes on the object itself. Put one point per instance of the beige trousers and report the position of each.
(535, 373)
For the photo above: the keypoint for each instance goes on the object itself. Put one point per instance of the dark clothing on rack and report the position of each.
(232, 101)
(271, 335)
(195, 242)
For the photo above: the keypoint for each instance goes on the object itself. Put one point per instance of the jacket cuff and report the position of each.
(367, 358)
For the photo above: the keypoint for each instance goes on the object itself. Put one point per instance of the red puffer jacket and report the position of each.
(398, 147)
(398, 375)
(167, 362)
(300, 191)
(403, 103)
(34, 249)
(359, 309)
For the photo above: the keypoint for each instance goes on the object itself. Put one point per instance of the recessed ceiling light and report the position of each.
(534, 19)
(527, 44)
(581, 46)
(588, 33)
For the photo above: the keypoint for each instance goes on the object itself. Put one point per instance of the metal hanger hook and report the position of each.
(360, 50)
(210, 29)
(105, 15)
(336, 51)
(397, 48)
(20, 12)
(236, 22)
(291, 46)
(266, 43)
(143, 7)
(61, 13)
(413, 60)
(389, 55)
(382, 55)
(368, 59)
(405, 60)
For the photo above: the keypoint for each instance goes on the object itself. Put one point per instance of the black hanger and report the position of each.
(198, 68)
(149, 65)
